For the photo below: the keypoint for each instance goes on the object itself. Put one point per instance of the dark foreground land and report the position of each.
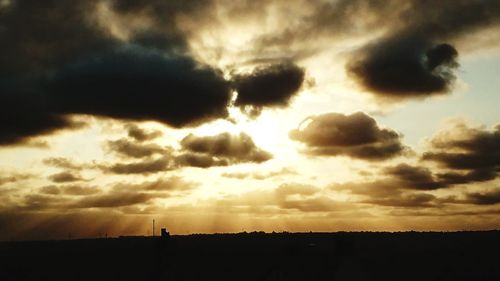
(455, 256)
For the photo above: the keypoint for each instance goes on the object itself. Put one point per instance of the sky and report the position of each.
(214, 116)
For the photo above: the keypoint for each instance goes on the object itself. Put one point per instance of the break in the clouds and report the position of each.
(356, 135)
(273, 85)
(261, 176)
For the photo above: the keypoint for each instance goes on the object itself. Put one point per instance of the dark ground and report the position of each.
(455, 256)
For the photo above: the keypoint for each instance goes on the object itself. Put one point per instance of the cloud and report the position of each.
(202, 152)
(288, 189)
(50, 189)
(61, 162)
(145, 167)
(416, 58)
(73, 189)
(112, 200)
(65, 177)
(260, 176)
(409, 200)
(305, 198)
(404, 68)
(136, 150)
(139, 84)
(89, 67)
(13, 177)
(128, 194)
(463, 155)
(118, 195)
(389, 192)
(412, 177)
(200, 160)
(483, 198)
(356, 135)
(23, 117)
(222, 149)
(272, 85)
(469, 154)
(170, 184)
(79, 190)
(140, 134)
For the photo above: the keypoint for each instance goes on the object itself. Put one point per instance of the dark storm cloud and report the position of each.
(140, 134)
(45, 35)
(405, 67)
(65, 177)
(272, 85)
(230, 149)
(356, 135)
(415, 58)
(34, 42)
(139, 84)
(59, 61)
(136, 150)
(130, 83)
(25, 115)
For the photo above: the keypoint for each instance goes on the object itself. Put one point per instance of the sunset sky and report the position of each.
(227, 116)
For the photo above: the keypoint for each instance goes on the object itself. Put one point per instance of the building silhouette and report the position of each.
(164, 233)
